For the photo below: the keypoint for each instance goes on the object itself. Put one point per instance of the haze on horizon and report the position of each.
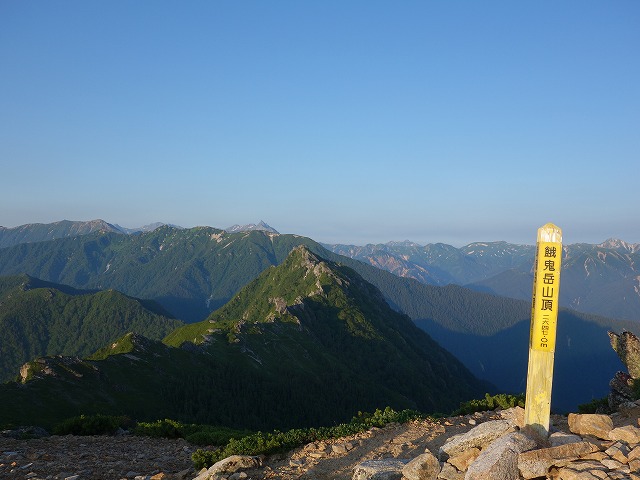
(347, 122)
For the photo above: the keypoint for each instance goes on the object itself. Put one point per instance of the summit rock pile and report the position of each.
(491, 446)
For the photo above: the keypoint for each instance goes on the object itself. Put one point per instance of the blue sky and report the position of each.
(345, 121)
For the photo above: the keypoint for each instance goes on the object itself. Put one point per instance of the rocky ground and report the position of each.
(95, 457)
(131, 457)
(337, 458)
(142, 458)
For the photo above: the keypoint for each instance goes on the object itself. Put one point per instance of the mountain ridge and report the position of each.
(599, 279)
(331, 331)
(42, 318)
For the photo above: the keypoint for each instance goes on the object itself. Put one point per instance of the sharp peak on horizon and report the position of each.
(262, 225)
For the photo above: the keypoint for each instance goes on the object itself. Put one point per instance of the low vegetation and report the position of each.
(272, 442)
(597, 405)
(223, 442)
(97, 424)
(489, 402)
(196, 434)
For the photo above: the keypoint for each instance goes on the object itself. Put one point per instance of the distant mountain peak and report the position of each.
(40, 232)
(404, 243)
(145, 228)
(251, 227)
(617, 244)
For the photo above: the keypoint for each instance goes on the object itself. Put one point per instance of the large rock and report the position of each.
(386, 469)
(536, 463)
(479, 437)
(627, 433)
(423, 467)
(593, 424)
(500, 459)
(515, 415)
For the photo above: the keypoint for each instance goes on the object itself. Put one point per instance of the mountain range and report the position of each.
(602, 279)
(192, 272)
(38, 232)
(308, 342)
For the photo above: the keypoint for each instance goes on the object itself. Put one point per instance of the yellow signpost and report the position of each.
(542, 337)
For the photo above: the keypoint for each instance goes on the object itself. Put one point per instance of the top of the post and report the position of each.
(550, 233)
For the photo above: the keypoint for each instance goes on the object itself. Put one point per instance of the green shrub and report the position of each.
(268, 443)
(207, 435)
(502, 401)
(204, 458)
(166, 428)
(196, 434)
(97, 424)
(597, 405)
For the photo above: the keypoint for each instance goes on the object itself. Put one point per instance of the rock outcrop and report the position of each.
(624, 386)
(627, 346)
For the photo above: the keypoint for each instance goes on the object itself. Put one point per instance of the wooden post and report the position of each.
(542, 336)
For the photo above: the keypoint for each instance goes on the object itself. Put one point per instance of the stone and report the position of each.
(320, 454)
(386, 469)
(423, 467)
(183, 474)
(612, 464)
(338, 449)
(449, 472)
(561, 438)
(464, 459)
(479, 437)
(628, 433)
(634, 454)
(595, 424)
(536, 463)
(238, 476)
(570, 474)
(341, 448)
(587, 465)
(297, 462)
(500, 458)
(230, 465)
(597, 456)
(618, 452)
(515, 415)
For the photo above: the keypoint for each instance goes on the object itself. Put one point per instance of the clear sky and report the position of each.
(344, 121)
